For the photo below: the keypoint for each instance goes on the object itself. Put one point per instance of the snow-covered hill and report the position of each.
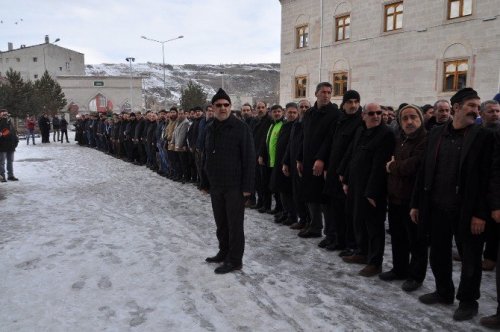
(259, 81)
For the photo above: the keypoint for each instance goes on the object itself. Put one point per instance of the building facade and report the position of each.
(32, 61)
(391, 51)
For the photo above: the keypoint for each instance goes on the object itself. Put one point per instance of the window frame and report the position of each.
(300, 37)
(395, 15)
(460, 9)
(456, 74)
(342, 18)
(343, 83)
(296, 86)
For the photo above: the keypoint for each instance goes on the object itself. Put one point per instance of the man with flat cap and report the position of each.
(449, 199)
(230, 175)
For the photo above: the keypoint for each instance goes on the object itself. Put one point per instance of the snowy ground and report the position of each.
(91, 243)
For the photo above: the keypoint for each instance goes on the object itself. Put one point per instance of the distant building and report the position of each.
(391, 51)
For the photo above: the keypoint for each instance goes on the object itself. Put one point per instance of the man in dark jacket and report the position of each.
(406, 236)
(230, 166)
(64, 129)
(449, 199)
(8, 144)
(56, 127)
(44, 125)
(317, 123)
(493, 321)
(339, 232)
(364, 181)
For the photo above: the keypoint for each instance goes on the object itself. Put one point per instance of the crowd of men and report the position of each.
(337, 172)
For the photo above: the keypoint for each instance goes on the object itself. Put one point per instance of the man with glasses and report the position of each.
(230, 169)
(364, 182)
(8, 144)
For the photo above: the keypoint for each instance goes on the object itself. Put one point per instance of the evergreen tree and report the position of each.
(12, 95)
(49, 95)
(192, 96)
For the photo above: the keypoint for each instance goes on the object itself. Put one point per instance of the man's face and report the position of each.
(222, 109)
(191, 114)
(261, 109)
(198, 114)
(466, 113)
(246, 112)
(429, 114)
(351, 106)
(138, 116)
(277, 113)
(372, 115)
(391, 116)
(126, 116)
(323, 96)
(385, 116)
(153, 117)
(173, 115)
(181, 116)
(4, 115)
(491, 114)
(292, 114)
(410, 121)
(442, 112)
(210, 112)
(303, 107)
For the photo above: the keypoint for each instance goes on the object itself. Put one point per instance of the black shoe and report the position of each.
(275, 211)
(345, 253)
(410, 285)
(227, 267)
(334, 247)
(309, 234)
(12, 178)
(289, 221)
(434, 298)
(219, 258)
(262, 210)
(390, 276)
(256, 206)
(325, 242)
(465, 311)
(492, 322)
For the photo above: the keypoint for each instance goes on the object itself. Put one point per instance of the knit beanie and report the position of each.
(462, 95)
(221, 94)
(415, 107)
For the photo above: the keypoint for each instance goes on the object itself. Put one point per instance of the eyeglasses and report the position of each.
(372, 113)
(221, 105)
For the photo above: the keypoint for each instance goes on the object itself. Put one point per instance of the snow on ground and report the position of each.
(91, 243)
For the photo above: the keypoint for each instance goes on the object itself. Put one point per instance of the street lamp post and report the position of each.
(163, 55)
(43, 49)
(130, 60)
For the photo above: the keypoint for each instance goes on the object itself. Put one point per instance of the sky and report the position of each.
(215, 31)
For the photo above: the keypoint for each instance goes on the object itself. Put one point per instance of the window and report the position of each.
(302, 36)
(343, 28)
(67, 65)
(18, 59)
(35, 59)
(36, 76)
(102, 101)
(455, 75)
(393, 16)
(459, 8)
(300, 86)
(339, 84)
(60, 68)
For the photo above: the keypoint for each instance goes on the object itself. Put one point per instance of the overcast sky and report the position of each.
(215, 31)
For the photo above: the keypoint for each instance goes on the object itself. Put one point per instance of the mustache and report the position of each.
(472, 114)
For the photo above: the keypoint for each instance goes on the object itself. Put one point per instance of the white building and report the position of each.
(391, 51)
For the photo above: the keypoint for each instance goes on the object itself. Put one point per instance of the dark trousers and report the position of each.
(335, 221)
(228, 206)
(288, 205)
(491, 237)
(64, 132)
(409, 248)
(260, 184)
(498, 270)
(443, 225)
(300, 204)
(369, 228)
(316, 212)
(198, 160)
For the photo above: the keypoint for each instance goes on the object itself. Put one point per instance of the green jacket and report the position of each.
(272, 141)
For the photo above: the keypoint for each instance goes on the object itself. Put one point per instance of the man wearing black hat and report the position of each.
(230, 169)
(449, 199)
(338, 231)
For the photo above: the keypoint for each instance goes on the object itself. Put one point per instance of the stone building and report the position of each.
(391, 51)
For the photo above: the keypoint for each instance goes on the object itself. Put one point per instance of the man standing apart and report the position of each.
(8, 144)
(230, 169)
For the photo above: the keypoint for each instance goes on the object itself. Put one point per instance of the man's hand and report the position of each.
(318, 167)
(300, 168)
(477, 225)
(260, 160)
(345, 188)
(387, 166)
(414, 214)
(372, 202)
(285, 170)
(246, 194)
(496, 215)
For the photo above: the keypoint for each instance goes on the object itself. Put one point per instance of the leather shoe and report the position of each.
(12, 178)
(334, 247)
(346, 252)
(219, 258)
(465, 311)
(370, 270)
(410, 285)
(391, 276)
(309, 234)
(325, 242)
(298, 226)
(488, 265)
(355, 259)
(227, 267)
(492, 322)
(262, 210)
(434, 298)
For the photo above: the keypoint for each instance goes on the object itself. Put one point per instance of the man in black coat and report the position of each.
(449, 199)
(339, 234)
(311, 161)
(44, 125)
(230, 169)
(364, 181)
(8, 144)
